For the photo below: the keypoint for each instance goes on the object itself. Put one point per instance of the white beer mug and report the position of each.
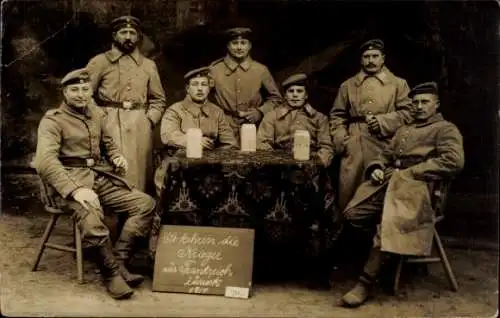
(194, 148)
(248, 137)
(301, 145)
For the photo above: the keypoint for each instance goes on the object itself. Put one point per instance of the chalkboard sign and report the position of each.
(204, 260)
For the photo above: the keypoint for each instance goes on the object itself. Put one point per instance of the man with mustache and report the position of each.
(128, 87)
(195, 111)
(278, 126)
(69, 159)
(244, 88)
(394, 205)
(368, 109)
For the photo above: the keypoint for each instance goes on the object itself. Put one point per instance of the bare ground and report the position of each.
(53, 290)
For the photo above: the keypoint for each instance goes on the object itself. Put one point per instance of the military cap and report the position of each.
(125, 21)
(374, 44)
(424, 88)
(78, 76)
(238, 32)
(295, 79)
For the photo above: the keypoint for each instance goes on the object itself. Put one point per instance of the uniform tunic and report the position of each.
(383, 95)
(420, 155)
(278, 127)
(185, 114)
(63, 134)
(134, 78)
(242, 87)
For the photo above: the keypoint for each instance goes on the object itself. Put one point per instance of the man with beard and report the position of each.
(368, 109)
(195, 111)
(394, 205)
(127, 85)
(70, 160)
(278, 126)
(244, 88)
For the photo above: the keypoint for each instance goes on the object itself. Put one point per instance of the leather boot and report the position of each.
(362, 291)
(123, 248)
(114, 282)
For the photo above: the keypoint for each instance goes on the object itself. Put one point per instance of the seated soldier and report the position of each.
(279, 125)
(195, 111)
(398, 194)
(69, 159)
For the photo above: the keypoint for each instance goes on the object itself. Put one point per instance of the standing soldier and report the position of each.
(368, 109)
(244, 88)
(70, 160)
(127, 85)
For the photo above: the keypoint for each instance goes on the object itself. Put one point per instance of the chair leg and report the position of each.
(45, 238)
(445, 262)
(79, 253)
(399, 269)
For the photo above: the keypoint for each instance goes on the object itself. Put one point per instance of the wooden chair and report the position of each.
(51, 206)
(439, 200)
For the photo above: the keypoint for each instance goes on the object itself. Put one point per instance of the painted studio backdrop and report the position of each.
(452, 42)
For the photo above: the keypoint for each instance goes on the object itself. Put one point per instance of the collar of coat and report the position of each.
(115, 54)
(285, 109)
(232, 65)
(87, 114)
(195, 108)
(384, 76)
(434, 118)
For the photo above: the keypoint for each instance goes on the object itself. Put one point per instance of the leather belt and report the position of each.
(128, 105)
(405, 162)
(78, 162)
(357, 119)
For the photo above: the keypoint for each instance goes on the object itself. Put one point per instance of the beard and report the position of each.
(126, 46)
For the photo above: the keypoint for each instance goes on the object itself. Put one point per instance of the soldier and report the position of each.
(244, 88)
(277, 129)
(69, 159)
(397, 196)
(368, 109)
(127, 85)
(195, 111)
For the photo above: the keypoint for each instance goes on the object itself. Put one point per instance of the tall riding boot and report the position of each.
(361, 292)
(123, 250)
(114, 282)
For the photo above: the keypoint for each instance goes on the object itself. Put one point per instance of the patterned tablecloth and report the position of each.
(289, 203)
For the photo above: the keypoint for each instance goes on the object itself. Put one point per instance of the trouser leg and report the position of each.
(364, 218)
(138, 208)
(95, 238)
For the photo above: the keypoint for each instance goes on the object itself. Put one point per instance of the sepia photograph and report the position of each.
(243, 158)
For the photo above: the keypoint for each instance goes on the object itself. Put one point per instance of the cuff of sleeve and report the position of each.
(266, 107)
(68, 192)
(372, 166)
(154, 116)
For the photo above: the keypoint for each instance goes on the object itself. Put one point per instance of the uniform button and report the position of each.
(370, 112)
(400, 150)
(128, 88)
(370, 101)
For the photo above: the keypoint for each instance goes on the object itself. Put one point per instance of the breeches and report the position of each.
(136, 205)
(366, 216)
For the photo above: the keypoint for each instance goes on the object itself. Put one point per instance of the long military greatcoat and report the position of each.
(383, 95)
(130, 78)
(420, 154)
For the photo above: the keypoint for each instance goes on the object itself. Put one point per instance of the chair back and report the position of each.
(439, 197)
(47, 196)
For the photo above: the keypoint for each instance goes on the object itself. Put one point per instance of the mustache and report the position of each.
(370, 65)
